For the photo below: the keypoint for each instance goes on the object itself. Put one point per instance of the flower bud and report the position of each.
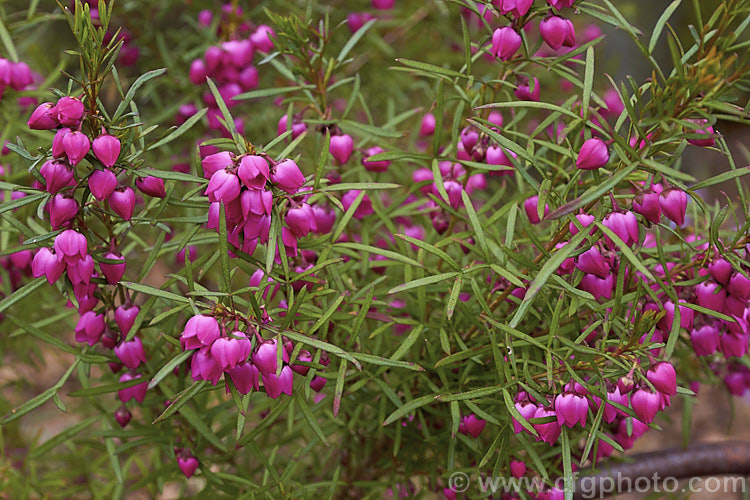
(341, 147)
(71, 246)
(122, 201)
(673, 202)
(646, 203)
(720, 270)
(76, 146)
(188, 465)
(288, 176)
(137, 392)
(593, 155)
(525, 92)
(125, 316)
(245, 377)
(231, 351)
(705, 340)
(300, 219)
(275, 386)
(571, 409)
(554, 31)
(56, 175)
(62, 209)
(131, 353)
(663, 377)
(739, 287)
(107, 149)
(262, 38)
(549, 432)
(151, 186)
(471, 425)
(711, 296)
(113, 272)
(375, 166)
(645, 404)
(90, 328)
(223, 186)
(427, 127)
(42, 117)
(505, 42)
(68, 111)
(102, 183)
(531, 207)
(123, 416)
(624, 225)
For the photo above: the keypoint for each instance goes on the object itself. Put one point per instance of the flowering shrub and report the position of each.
(280, 263)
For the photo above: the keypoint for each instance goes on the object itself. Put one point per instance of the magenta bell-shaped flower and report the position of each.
(427, 127)
(325, 218)
(560, 4)
(530, 206)
(734, 345)
(131, 353)
(215, 162)
(527, 411)
(686, 316)
(137, 392)
(557, 32)
(107, 149)
(375, 165)
(517, 7)
(198, 72)
(711, 296)
(275, 386)
(365, 207)
(471, 425)
(56, 175)
(647, 204)
(673, 202)
(341, 147)
(151, 186)
(469, 138)
(287, 175)
(593, 262)
(298, 127)
(102, 183)
(254, 201)
(68, 111)
(584, 219)
(547, 432)
(200, 331)
(593, 155)
(188, 465)
(624, 225)
(81, 270)
(663, 377)
(317, 383)
(62, 209)
(122, 201)
(125, 317)
(70, 246)
(720, 270)
(204, 367)
(231, 351)
(76, 146)
(123, 416)
(739, 287)
(505, 42)
(526, 92)
(42, 117)
(262, 38)
(610, 412)
(245, 377)
(223, 186)
(705, 340)
(707, 132)
(58, 150)
(89, 328)
(47, 264)
(598, 287)
(645, 404)
(571, 409)
(113, 272)
(264, 357)
(301, 220)
(253, 171)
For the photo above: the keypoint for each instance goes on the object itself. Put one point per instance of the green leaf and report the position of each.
(431, 249)
(64, 436)
(133, 89)
(198, 422)
(395, 256)
(588, 82)
(8, 42)
(354, 39)
(39, 400)
(626, 251)
(408, 408)
(659, 27)
(475, 224)
(329, 312)
(107, 388)
(308, 414)
(168, 368)
(377, 360)
(330, 348)
(12, 205)
(179, 130)
(431, 68)
(22, 293)
(239, 142)
(549, 268)
(726, 176)
(453, 299)
(155, 292)
(278, 409)
(181, 400)
(427, 280)
(269, 92)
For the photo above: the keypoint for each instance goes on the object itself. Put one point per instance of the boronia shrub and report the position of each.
(306, 249)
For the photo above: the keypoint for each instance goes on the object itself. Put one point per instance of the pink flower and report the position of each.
(288, 176)
(300, 219)
(56, 175)
(137, 392)
(125, 316)
(262, 38)
(231, 351)
(673, 202)
(223, 186)
(472, 425)
(505, 43)
(76, 146)
(47, 264)
(593, 155)
(42, 117)
(68, 111)
(113, 272)
(71, 246)
(556, 31)
(107, 149)
(645, 404)
(375, 165)
(122, 201)
(427, 127)
(200, 331)
(151, 186)
(188, 465)
(531, 207)
(62, 209)
(663, 377)
(131, 353)
(341, 147)
(571, 409)
(89, 328)
(275, 386)
(647, 204)
(102, 183)
(253, 171)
